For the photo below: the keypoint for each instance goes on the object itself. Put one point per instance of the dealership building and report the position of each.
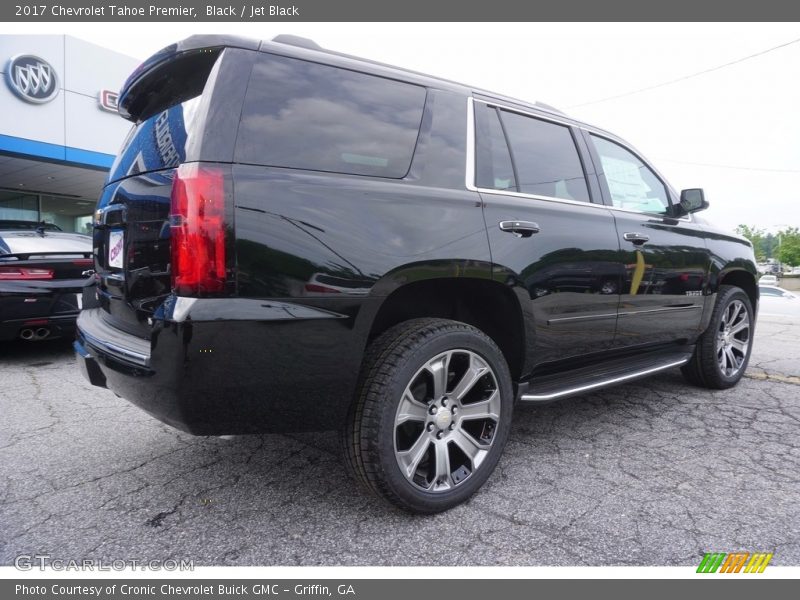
(59, 130)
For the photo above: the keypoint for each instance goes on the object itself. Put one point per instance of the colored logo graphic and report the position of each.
(735, 562)
(32, 79)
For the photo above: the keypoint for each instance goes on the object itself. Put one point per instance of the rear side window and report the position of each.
(546, 158)
(493, 167)
(304, 115)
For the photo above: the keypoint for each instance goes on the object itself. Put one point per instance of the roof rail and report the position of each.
(296, 40)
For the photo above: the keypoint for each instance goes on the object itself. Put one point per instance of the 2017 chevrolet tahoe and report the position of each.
(293, 239)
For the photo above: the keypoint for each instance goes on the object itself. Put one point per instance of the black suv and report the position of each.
(293, 239)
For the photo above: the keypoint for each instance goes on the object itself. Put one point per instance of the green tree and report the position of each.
(770, 245)
(789, 251)
(758, 239)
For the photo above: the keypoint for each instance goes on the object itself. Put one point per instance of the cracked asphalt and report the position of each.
(652, 473)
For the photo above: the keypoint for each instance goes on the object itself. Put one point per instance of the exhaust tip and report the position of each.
(42, 333)
(27, 334)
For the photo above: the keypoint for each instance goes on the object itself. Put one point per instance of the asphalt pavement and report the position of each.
(652, 473)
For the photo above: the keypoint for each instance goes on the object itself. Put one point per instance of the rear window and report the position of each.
(305, 115)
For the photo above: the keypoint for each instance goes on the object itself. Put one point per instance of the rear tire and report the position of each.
(723, 350)
(431, 414)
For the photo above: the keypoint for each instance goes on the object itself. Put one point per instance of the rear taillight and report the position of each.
(197, 230)
(24, 274)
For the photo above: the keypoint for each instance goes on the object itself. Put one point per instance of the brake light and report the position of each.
(24, 274)
(197, 230)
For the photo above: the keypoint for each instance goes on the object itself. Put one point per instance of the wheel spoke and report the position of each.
(470, 447)
(741, 325)
(477, 369)
(438, 369)
(489, 408)
(411, 458)
(442, 477)
(733, 313)
(410, 410)
(740, 345)
(731, 358)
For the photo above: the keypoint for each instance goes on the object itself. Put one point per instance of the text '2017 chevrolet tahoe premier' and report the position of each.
(293, 239)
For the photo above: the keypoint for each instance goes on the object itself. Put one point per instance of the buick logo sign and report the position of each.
(32, 79)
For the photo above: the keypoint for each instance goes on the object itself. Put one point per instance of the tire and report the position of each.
(421, 443)
(723, 350)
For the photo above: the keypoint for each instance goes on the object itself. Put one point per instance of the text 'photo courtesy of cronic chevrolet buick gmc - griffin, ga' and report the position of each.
(293, 239)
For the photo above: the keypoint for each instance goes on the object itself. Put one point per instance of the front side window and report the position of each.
(631, 183)
(304, 115)
(546, 158)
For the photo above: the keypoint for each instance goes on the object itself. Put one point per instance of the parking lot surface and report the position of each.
(652, 473)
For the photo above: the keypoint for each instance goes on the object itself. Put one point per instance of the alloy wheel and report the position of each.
(446, 419)
(733, 338)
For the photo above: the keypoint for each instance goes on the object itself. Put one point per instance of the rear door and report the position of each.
(551, 237)
(666, 260)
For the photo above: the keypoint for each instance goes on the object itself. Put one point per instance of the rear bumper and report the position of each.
(216, 367)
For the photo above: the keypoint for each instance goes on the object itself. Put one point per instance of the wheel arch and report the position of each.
(744, 280)
(484, 303)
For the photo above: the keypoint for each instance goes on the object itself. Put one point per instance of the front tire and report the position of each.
(723, 350)
(431, 415)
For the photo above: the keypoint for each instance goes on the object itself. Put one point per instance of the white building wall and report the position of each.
(73, 118)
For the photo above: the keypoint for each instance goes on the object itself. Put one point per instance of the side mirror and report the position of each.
(693, 200)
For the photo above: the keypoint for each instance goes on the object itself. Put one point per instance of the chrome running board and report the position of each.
(562, 385)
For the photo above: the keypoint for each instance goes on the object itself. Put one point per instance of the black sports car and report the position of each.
(43, 273)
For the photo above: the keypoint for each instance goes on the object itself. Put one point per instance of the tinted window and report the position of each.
(631, 183)
(493, 161)
(304, 115)
(546, 158)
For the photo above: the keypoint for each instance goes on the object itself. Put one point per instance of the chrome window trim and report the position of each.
(471, 154)
(470, 171)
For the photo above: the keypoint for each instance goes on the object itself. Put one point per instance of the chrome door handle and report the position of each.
(636, 238)
(519, 228)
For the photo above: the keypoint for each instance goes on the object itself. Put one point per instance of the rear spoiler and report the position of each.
(134, 95)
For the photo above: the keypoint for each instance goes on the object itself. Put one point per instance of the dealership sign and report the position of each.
(32, 78)
(108, 100)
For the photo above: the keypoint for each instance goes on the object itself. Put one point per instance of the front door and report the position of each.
(665, 258)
